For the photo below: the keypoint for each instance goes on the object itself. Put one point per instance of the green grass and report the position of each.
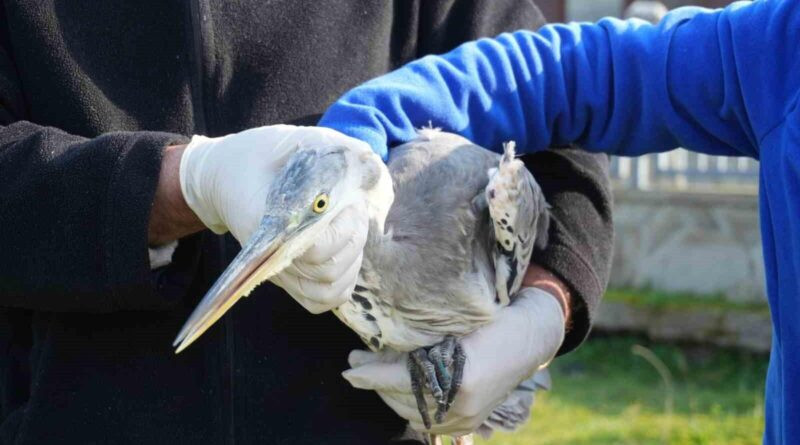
(671, 300)
(603, 393)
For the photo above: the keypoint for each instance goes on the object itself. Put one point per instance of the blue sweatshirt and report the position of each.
(723, 82)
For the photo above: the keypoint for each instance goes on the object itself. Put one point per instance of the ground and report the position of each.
(626, 390)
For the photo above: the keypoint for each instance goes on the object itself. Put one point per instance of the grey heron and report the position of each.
(452, 230)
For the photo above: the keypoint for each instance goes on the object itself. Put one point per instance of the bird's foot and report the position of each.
(438, 368)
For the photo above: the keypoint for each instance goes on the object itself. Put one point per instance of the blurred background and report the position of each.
(679, 350)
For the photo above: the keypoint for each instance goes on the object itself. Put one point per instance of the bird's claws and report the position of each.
(440, 369)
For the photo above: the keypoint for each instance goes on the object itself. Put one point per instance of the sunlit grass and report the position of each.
(655, 299)
(605, 394)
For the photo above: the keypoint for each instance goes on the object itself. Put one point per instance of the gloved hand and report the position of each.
(525, 336)
(225, 181)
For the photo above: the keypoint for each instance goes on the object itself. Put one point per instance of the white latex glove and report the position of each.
(225, 181)
(525, 336)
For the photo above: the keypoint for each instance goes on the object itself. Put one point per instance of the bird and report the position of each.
(452, 227)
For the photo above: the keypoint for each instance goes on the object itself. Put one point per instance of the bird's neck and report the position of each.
(380, 199)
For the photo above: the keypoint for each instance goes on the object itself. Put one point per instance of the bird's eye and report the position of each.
(320, 203)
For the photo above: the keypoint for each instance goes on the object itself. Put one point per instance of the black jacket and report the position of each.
(90, 93)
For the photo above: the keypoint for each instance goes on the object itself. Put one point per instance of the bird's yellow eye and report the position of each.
(320, 203)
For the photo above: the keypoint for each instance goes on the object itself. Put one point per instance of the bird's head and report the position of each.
(314, 185)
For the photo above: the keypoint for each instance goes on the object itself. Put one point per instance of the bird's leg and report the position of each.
(448, 360)
(440, 369)
(441, 355)
(422, 372)
(459, 360)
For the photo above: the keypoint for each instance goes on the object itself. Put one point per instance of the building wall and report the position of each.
(592, 10)
(699, 243)
(671, 4)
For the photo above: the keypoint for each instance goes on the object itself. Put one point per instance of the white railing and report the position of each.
(682, 170)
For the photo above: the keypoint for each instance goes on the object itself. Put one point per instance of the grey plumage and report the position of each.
(516, 409)
(438, 264)
(456, 244)
(432, 272)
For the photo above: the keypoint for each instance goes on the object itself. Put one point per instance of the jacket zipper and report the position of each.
(198, 11)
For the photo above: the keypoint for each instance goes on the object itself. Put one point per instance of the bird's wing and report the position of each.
(437, 268)
(371, 313)
(516, 410)
(429, 274)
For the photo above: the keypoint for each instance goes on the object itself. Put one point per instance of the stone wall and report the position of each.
(748, 329)
(698, 243)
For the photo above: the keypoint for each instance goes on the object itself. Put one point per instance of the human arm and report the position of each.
(700, 79)
(581, 234)
(73, 210)
(223, 193)
(171, 217)
(576, 185)
(541, 278)
(574, 182)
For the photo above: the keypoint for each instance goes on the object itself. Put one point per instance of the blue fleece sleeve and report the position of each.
(712, 81)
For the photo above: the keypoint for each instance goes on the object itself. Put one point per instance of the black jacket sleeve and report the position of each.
(581, 235)
(74, 212)
(574, 182)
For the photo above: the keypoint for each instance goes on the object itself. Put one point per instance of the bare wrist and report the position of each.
(170, 217)
(541, 278)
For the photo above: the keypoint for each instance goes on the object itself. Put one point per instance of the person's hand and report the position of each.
(225, 181)
(324, 277)
(524, 337)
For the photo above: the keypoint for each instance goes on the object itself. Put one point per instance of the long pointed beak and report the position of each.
(262, 257)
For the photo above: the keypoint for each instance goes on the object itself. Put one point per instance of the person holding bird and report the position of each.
(138, 143)
(722, 82)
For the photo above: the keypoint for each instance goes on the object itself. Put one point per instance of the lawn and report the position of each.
(625, 390)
